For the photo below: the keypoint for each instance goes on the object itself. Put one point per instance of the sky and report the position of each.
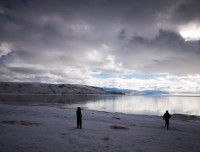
(128, 44)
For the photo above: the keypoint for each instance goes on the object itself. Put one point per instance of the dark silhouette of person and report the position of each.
(79, 118)
(166, 117)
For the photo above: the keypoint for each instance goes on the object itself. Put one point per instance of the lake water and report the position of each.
(148, 105)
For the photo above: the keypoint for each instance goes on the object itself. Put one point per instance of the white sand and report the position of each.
(57, 132)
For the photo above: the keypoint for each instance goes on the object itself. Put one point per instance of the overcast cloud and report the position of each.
(73, 41)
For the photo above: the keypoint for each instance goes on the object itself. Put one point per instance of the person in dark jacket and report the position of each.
(79, 118)
(166, 117)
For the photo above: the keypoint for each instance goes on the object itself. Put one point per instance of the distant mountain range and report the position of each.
(137, 92)
(42, 88)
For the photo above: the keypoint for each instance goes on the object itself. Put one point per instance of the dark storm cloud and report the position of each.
(27, 71)
(35, 17)
(51, 38)
(187, 11)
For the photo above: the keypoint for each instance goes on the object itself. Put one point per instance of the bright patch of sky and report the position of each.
(5, 48)
(190, 32)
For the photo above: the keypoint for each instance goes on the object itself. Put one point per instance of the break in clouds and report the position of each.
(82, 41)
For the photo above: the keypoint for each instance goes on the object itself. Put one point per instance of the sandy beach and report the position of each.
(53, 129)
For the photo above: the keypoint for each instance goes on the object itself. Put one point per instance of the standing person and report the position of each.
(79, 118)
(166, 117)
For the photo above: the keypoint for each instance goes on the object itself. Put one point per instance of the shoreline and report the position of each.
(60, 105)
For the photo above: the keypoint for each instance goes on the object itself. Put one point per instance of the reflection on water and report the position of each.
(151, 105)
(49, 99)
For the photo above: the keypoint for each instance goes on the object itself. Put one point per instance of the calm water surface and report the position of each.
(150, 105)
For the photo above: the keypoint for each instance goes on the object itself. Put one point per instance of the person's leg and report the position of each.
(77, 123)
(167, 124)
(80, 123)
